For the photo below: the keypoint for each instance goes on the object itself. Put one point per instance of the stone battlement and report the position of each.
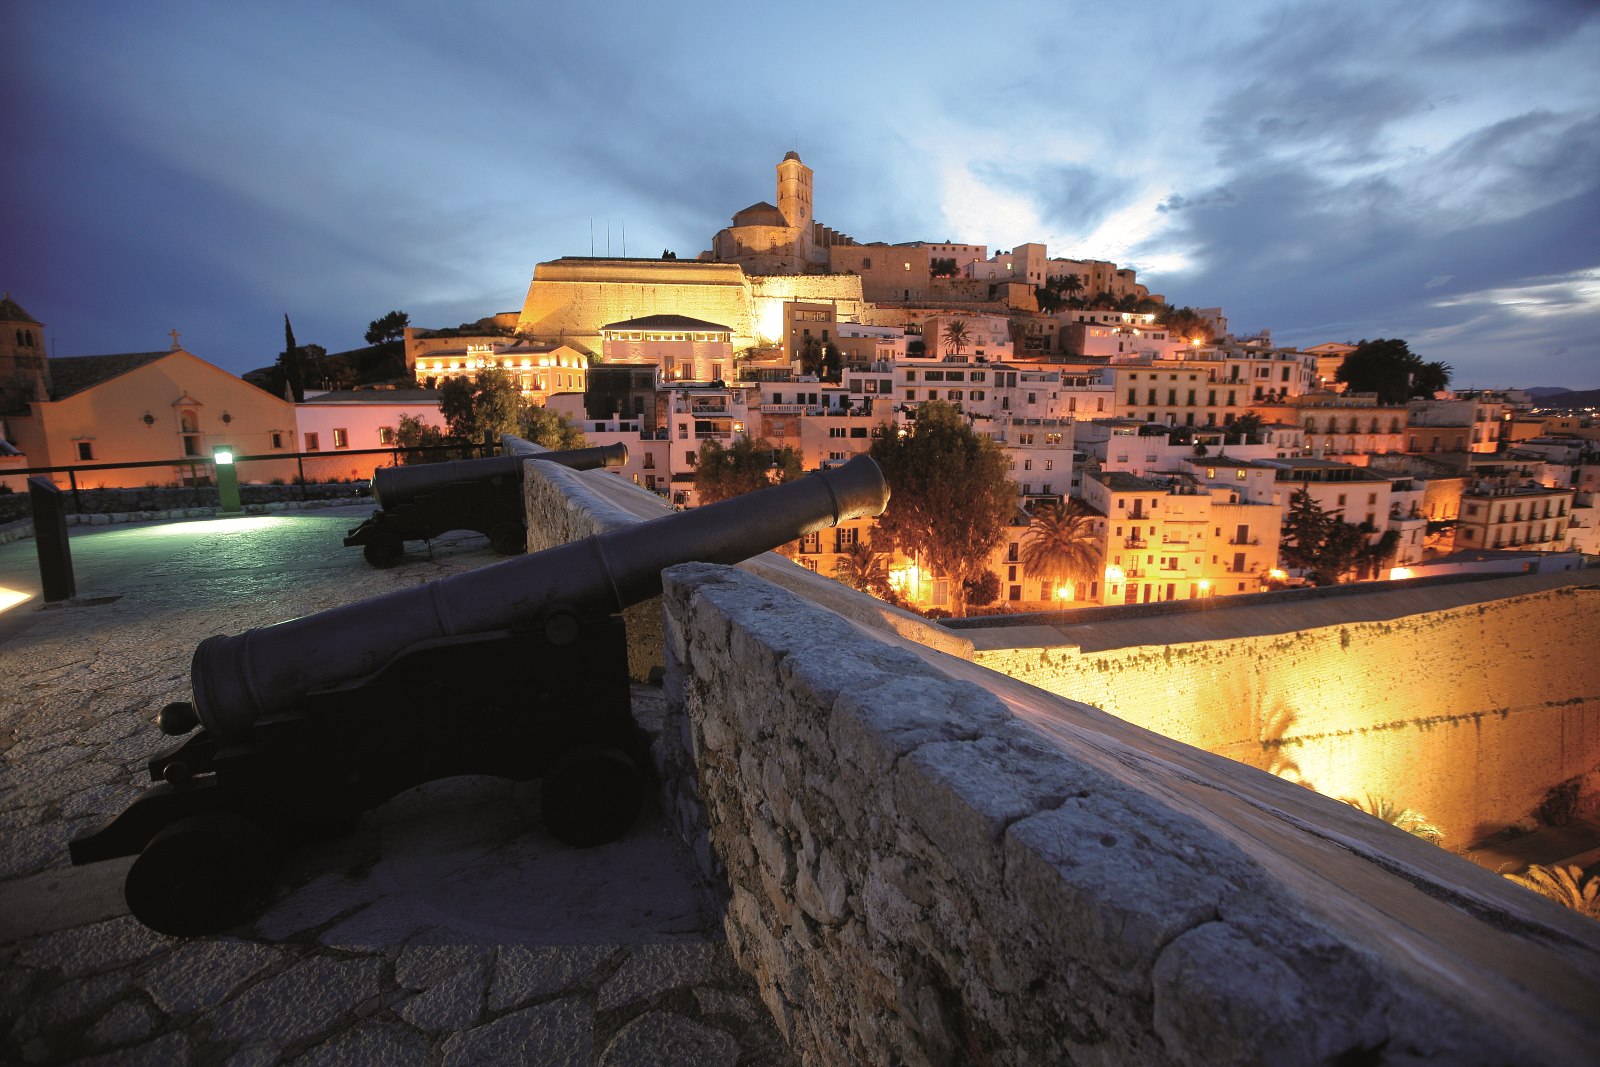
(925, 861)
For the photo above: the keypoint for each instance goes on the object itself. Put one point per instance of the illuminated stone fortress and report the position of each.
(768, 257)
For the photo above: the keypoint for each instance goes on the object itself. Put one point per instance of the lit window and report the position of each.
(385, 435)
(341, 438)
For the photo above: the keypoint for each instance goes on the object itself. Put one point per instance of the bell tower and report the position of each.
(24, 374)
(794, 193)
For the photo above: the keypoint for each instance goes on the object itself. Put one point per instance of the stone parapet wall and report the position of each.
(925, 861)
(930, 863)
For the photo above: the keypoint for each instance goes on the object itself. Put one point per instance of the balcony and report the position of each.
(1135, 542)
(1247, 541)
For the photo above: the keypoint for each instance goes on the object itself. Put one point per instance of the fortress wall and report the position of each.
(574, 311)
(570, 301)
(927, 863)
(1467, 715)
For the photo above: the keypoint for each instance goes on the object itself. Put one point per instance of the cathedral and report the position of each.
(785, 239)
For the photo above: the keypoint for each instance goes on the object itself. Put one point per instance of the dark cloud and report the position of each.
(1335, 117)
(1529, 26)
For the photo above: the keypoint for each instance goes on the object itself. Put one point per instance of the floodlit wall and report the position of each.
(569, 300)
(1467, 715)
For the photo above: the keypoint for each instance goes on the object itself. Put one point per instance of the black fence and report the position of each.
(197, 487)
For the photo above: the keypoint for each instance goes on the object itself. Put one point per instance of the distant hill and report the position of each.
(1542, 391)
(1566, 398)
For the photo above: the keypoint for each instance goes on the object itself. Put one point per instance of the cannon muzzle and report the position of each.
(240, 679)
(393, 487)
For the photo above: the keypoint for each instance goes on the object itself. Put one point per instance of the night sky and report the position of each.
(1331, 171)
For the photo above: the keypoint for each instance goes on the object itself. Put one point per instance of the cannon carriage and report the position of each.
(484, 495)
(516, 670)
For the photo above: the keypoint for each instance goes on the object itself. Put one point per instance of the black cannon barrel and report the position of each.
(239, 679)
(394, 486)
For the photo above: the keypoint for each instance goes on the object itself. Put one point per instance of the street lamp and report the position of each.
(227, 481)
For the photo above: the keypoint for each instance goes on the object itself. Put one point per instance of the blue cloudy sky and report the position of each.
(1328, 170)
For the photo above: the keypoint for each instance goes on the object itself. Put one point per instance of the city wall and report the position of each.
(1467, 715)
(923, 861)
(569, 300)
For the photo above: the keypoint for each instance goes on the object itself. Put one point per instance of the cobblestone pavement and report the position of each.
(445, 928)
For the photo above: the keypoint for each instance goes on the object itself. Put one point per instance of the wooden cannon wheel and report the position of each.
(202, 874)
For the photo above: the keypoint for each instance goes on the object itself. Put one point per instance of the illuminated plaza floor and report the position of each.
(447, 927)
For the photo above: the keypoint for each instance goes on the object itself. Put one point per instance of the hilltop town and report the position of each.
(1156, 454)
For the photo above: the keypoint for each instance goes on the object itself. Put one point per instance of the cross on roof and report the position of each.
(175, 345)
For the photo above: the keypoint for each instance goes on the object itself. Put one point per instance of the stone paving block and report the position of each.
(666, 1039)
(654, 969)
(300, 1002)
(98, 947)
(127, 1021)
(370, 1045)
(68, 1006)
(454, 1003)
(198, 975)
(315, 904)
(168, 1050)
(522, 974)
(558, 1034)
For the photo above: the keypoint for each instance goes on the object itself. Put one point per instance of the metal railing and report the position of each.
(202, 469)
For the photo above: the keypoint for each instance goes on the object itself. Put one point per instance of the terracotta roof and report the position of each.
(11, 311)
(760, 213)
(668, 322)
(70, 375)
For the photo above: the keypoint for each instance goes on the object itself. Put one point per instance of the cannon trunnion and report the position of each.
(517, 670)
(484, 495)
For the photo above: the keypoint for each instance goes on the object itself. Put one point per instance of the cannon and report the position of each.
(516, 670)
(419, 503)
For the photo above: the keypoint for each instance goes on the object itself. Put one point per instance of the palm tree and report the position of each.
(862, 568)
(1072, 285)
(1060, 545)
(1564, 885)
(955, 334)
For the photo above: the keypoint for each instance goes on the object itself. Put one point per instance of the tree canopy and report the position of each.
(478, 410)
(1322, 545)
(1388, 367)
(1061, 546)
(955, 334)
(544, 427)
(950, 499)
(749, 463)
(1186, 323)
(390, 327)
(289, 375)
